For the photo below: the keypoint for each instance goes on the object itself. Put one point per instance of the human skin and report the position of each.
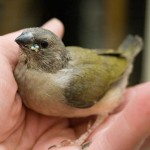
(23, 129)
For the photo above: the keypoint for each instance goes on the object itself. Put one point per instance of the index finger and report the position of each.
(9, 48)
(54, 25)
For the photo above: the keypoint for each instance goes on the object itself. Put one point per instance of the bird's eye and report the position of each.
(44, 44)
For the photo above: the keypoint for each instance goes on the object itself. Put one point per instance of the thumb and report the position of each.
(128, 129)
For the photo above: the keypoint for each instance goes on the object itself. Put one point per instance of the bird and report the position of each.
(71, 81)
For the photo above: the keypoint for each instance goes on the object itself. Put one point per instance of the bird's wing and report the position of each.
(92, 75)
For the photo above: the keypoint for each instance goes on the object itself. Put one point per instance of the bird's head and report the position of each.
(43, 49)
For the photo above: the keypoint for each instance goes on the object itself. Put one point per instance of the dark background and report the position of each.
(88, 23)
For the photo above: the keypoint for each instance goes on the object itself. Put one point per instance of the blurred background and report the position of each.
(88, 23)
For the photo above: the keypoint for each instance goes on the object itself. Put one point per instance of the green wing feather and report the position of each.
(95, 71)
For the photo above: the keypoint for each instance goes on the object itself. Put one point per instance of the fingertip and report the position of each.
(56, 26)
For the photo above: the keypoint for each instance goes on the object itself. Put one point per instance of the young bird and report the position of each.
(55, 80)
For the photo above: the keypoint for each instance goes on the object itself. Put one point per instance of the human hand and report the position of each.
(21, 128)
(129, 127)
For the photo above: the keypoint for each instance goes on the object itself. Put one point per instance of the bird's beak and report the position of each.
(24, 39)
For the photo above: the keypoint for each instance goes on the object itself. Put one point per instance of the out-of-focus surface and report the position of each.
(146, 55)
(88, 23)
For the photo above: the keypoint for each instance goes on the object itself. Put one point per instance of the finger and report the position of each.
(128, 129)
(55, 26)
(9, 48)
(8, 40)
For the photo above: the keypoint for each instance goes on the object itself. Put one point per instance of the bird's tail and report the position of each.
(130, 47)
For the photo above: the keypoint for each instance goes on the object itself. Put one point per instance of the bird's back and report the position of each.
(92, 75)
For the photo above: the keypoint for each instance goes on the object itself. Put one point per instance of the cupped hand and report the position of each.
(23, 129)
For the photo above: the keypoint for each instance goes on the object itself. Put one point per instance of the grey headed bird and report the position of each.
(70, 82)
